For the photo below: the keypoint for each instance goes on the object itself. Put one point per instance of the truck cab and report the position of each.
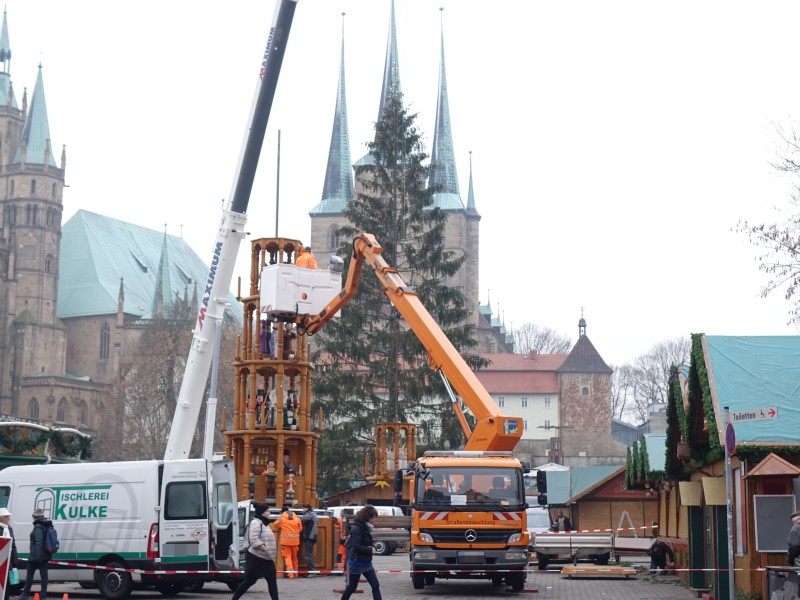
(469, 518)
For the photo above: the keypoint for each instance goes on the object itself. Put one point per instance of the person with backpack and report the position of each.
(261, 553)
(359, 553)
(40, 554)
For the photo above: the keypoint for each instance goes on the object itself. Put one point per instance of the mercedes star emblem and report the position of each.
(471, 535)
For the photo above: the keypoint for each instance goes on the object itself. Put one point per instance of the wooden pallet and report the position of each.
(571, 571)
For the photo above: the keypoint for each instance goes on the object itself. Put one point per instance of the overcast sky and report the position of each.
(615, 144)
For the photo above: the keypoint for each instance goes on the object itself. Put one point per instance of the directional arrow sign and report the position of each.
(754, 414)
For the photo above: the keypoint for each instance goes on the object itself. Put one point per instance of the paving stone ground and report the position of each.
(396, 584)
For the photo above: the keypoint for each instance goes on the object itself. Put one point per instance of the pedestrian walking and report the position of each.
(359, 554)
(309, 535)
(7, 532)
(38, 557)
(260, 556)
(290, 527)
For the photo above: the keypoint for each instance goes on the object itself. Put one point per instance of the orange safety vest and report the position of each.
(290, 526)
(306, 260)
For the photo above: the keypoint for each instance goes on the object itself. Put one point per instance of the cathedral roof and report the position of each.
(96, 251)
(337, 190)
(583, 358)
(35, 142)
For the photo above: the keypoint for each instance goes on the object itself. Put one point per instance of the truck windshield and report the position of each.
(470, 486)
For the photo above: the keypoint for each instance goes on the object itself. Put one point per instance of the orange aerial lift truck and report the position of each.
(468, 506)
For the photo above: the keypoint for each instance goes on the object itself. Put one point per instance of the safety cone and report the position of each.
(36, 596)
(65, 597)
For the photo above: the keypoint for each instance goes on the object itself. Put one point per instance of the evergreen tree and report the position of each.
(373, 367)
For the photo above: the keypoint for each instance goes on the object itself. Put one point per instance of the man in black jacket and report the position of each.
(659, 552)
(794, 541)
(38, 557)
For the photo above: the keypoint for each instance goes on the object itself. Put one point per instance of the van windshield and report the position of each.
(470, 486)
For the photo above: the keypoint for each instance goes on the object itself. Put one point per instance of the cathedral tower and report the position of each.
(32, 339)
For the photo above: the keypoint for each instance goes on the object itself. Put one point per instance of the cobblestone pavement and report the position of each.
(397, 585)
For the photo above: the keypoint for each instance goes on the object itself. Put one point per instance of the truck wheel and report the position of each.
(194, 585)
(418, 580)
(603, 559)
(542, 562)
(382, 548)
(114, 585)
(516, 581)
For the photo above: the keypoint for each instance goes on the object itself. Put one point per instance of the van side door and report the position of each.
(224, 516)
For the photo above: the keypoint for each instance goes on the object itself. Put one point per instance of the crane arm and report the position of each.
(494, 431)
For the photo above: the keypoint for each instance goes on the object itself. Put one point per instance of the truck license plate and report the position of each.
(470, 556)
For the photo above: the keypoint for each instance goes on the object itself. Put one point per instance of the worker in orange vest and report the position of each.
(341, 552)
(290, 527)
(306, 258)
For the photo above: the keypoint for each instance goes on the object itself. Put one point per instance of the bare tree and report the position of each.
(635, 387)
(780, 241)
(531, 338)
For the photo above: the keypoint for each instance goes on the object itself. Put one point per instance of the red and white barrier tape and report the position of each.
(605, 530)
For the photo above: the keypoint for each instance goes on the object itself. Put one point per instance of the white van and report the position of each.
(382, 546)
(538, 519)
(150, 515)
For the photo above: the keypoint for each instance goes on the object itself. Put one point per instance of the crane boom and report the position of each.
(493, 431)
(229, 237)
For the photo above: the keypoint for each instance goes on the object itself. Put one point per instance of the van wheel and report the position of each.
(170, 589)
(194, 585)
(382, 548)
(418, 580)
(542, 561)
(114, 585)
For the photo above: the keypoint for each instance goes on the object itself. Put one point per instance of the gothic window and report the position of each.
(35, 215)
(82, 410)
(61, 412)
(105, 339)
(49, 263)
(33, 186)
(12, 186)
(585, 391)
(53, 191)
(33, 408)
(333, 238)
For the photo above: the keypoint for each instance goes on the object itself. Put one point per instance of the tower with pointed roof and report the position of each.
(462, 232)
(32, 338)
(584, 381)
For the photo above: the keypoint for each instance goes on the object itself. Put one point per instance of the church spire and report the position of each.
(6, 90)
(471, 192)
(5, 46)
(337, 190)
(444, 175)
(163, 303)
(391, 69)
(34, 146)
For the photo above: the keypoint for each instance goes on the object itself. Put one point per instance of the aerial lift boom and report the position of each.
(493, 430)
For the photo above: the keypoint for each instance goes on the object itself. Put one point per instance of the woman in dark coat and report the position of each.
(359, 554)
(7, 532)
